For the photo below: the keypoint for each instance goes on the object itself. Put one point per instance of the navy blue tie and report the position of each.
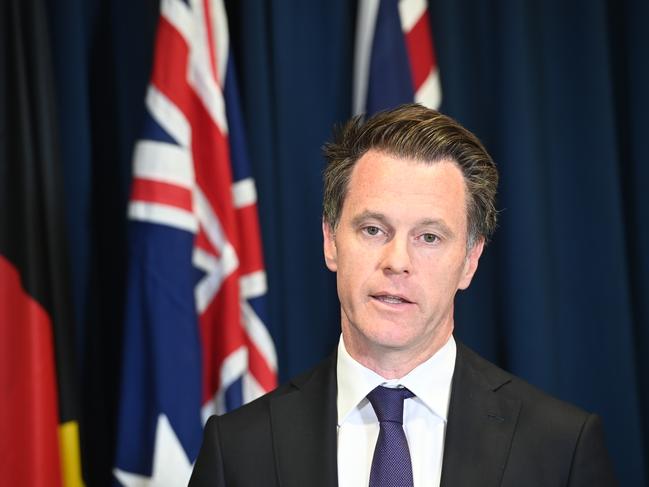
(391, 465)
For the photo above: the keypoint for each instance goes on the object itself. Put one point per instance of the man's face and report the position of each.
(400, 255)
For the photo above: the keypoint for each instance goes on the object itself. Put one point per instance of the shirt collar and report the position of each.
(430, 381)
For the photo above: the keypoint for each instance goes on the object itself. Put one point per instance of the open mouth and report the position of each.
(390, 299)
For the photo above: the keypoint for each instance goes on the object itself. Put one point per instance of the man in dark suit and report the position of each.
(408, 207)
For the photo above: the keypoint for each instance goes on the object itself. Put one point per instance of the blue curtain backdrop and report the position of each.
(557, 91)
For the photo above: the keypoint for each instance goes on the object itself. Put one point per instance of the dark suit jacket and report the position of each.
(501, 432)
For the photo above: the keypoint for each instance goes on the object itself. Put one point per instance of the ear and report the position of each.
(330, 251)
(471, 263)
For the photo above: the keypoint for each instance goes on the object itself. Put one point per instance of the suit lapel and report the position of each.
(306, 448)
(480, 425)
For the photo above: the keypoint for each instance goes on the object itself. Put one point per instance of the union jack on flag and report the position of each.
(195, 342)
(395, 58)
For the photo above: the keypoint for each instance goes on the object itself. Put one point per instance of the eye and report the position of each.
(371, 230)
(429, 238)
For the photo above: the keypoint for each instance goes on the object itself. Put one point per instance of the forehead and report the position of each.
(389, 184)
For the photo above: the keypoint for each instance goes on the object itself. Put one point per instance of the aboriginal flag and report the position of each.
(38, 415)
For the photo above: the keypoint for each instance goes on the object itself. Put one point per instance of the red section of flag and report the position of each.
(259, 368)
(29, 444)
(420, 50)
(219, 342)
(210, 40)
(162, 193)
(171, 48)
(249, 248)
(202, 242)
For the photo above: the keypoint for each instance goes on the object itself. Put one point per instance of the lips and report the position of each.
(391, 298)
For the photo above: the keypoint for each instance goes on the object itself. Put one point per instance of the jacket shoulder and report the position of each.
(553, 442)
(257, 411)
(508, 385)
(238, 446)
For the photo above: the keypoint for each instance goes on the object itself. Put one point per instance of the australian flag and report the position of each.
(395, 59)
(195, 340)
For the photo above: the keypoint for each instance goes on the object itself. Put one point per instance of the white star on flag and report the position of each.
(171, 467)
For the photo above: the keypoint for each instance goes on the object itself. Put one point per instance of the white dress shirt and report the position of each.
(424, 416)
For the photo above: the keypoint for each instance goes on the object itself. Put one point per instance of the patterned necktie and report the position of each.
(391, 465)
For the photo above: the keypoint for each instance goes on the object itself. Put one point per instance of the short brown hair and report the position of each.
(413, 132)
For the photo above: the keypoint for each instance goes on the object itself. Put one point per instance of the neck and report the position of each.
(392, 362)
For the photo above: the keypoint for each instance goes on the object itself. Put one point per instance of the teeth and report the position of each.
(391, 299)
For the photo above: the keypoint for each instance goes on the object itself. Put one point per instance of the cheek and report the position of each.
(440, 277)
(349, 292)
(354, 273)
(354, 258)
(349, 273)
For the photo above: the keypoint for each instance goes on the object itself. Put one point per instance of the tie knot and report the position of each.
(388, 403)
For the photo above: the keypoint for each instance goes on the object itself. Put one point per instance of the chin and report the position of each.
(378, 332)
(392, 338)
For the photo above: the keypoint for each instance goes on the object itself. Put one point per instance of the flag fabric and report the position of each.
(195, 340)
(39, 433)
(394, 58)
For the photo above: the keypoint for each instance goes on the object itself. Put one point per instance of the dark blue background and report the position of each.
(556, 90)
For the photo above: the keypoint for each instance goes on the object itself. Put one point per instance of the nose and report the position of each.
(396, 257)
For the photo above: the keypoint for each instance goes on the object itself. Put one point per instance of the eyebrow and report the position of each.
(437, 223)
(369, 215)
